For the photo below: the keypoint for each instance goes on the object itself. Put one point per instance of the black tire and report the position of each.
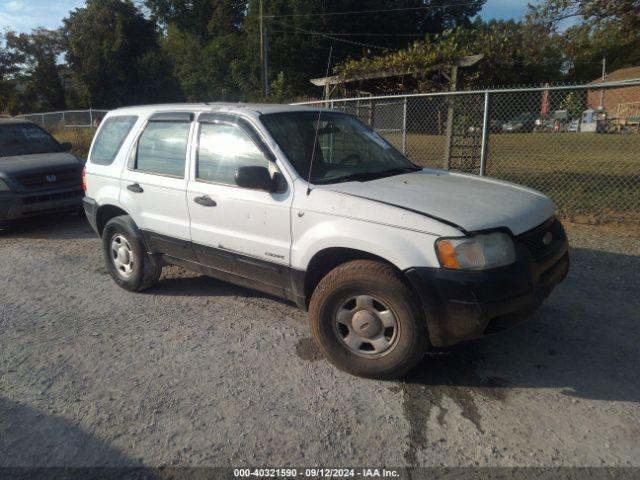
(386, 285)
(145, 270)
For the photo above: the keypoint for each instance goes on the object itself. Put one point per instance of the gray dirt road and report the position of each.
(197, 372)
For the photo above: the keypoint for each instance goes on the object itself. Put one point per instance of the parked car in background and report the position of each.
(389, 258)
(523, 123)
(38, 175)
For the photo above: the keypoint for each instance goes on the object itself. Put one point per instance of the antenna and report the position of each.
(315, 139)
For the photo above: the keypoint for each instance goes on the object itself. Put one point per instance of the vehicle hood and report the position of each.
(25, 164)
(470, 202)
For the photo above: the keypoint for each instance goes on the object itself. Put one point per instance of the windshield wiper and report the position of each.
(368, 176)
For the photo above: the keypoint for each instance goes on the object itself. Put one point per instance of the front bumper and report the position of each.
(15, 205)
(463, 305)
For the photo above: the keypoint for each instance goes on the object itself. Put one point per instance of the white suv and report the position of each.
(313, 206)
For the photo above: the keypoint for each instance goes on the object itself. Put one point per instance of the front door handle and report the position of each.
(205, 201)
(135, 188)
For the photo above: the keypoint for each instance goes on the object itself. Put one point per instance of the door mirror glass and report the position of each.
(254, 178)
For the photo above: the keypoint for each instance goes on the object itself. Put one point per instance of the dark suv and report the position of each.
(38, 175)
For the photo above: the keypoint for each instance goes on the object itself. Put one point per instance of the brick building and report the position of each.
(621, 104)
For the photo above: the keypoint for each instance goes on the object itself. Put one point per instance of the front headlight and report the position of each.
(480, 252)
(3, 186)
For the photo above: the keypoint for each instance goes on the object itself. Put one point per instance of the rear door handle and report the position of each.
(205, 201)
(135, 188)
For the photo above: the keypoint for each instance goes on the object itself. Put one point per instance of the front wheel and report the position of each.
(125, 256)
(367, 322)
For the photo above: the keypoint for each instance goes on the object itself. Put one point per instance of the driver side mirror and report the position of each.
(66, 146)
(255, 178)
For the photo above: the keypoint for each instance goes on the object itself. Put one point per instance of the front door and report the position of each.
(242, 232)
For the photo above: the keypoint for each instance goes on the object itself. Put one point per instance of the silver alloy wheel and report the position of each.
(122, 256)
(366, 326)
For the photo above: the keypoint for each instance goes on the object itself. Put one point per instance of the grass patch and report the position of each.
(80, 139)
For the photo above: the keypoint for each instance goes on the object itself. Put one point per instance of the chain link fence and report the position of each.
(66, 119)
(580, 145)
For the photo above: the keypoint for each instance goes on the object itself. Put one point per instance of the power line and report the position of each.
(389, 10)
(330, 37)
(336, 34)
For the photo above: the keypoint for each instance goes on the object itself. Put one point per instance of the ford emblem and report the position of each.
(547, 239)
(51, 178)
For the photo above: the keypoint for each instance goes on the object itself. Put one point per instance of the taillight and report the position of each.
(84, 179)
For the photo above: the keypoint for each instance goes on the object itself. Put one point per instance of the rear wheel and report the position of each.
(125, 256)
(366, 320)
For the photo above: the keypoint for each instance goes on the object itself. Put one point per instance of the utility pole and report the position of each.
(604, 77)
(263, 54)
(266, 61)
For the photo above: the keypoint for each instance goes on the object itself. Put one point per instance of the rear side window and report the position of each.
(111, 137)
(162, 148)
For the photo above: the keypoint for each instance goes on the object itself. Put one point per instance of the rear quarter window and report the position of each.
(110, 138)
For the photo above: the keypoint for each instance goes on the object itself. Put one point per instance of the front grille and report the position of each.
(533, 239)
(51, 179)
(52, 197)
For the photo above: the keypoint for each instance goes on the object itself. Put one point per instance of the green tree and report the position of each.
(516, 53)
(280, 90)
(513, 53)
(110, 48)
(8, 71)
(204, 19)
(37, 55)
(572, 104)
(594, 13)
(300, 33)
(202, 40)
(605, 29)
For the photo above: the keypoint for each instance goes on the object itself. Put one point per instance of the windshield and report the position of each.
(25, 139)
(346, 149)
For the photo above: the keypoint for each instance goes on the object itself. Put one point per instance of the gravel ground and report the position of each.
(197, 372)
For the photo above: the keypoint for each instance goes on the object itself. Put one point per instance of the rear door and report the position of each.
(154, 183)
(237, 230)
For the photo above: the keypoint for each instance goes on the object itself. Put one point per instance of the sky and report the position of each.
(24, 15)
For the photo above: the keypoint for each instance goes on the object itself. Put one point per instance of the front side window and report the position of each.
(111, 137)
(25, 139)
(345, 149)
(223, 148)
(162, 148)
